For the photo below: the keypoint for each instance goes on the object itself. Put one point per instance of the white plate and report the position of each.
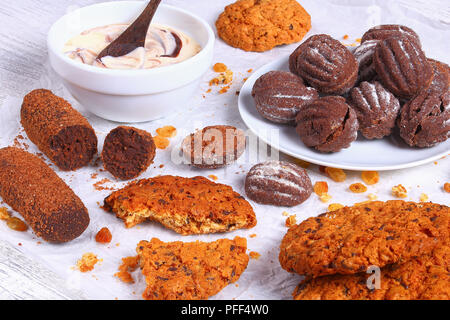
(390, 153)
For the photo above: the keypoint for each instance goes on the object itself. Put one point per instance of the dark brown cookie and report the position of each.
(127, 152)
(441, 78)
(325, 64)
(364, 56)
(402, 67)
(425, 120)
(383, 32)
(278, 183)
(279, 95)
(376, 108)
(214, 146)
(327, 124)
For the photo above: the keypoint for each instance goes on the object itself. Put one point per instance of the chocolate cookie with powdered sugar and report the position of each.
(278, 183)
(385, 31)
(364, 56)
(376, 109)
(279, 96)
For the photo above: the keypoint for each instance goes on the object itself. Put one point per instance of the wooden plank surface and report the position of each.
(23, 28)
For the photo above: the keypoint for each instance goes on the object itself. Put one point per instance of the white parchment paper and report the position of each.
(264, 278)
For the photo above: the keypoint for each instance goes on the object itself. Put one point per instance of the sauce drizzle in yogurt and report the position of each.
(164, 46)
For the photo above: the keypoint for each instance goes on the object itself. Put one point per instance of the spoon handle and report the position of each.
(134, 36)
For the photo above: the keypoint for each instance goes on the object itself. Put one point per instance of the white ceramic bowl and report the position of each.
(130, 95)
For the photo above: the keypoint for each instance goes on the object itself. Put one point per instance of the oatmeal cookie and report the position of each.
(260, 25)
(351, 239)
(185, 205)
(190, 270)
(423, 278)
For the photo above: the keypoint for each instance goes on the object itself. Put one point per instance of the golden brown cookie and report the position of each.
(190, 271)
(185, 205)
(351, 239)
(423, 278)
(260, 25)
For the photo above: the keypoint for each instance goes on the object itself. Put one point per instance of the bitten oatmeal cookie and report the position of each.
(426, 277)
(190, 271)
(351, 239)
(185, 205)
(260, 25)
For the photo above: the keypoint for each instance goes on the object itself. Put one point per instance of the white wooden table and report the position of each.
(23, 28)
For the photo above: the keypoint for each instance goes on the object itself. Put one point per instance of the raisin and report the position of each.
(103, 236)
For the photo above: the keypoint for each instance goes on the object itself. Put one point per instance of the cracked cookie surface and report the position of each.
(260, 25)
(185, 205)
(351, 239)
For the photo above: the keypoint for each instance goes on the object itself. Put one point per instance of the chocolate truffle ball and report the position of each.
(425, 120)
(402, 67)
(327, 124)
(376, 108)
(325, 64)
(127, 152)
(279, 95)
(385, 31)
(364, 56)
(278, 183)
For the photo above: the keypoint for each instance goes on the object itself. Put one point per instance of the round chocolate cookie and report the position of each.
(425, 120)
(278, 183)
(214, 147)
(325, 64)
(441, 77)
(376, 108)
(279, 95)
(327, 124)
(402, 67)
(127, 152)
(364, 56)
(385, 31)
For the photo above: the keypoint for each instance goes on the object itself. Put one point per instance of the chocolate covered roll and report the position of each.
(58, 130)
(43, 199)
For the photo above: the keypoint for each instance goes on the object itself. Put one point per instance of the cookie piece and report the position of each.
(185, 205)
(426, 277)
(190, 270)
(327, 124)
(278, 183)
(58, 130)
(376, 108)
(425, 120)
(402, 67)
(260, 25)
(385, 31)
(279, 95)
(325, 64)
(214, 146)
(441, 76)
(351, 239)
(364, 55)
(44, 200)
(127, 152)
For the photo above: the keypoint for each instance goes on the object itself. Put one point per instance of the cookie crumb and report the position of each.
(213, 177)
(336, 174)
(335, 206)
(103, 236)
(291, 221)
(372, 197)
(254, 255)
(325, 197)
(370, 177)
(358, 188)
(4, 214)
(345, 37)
(423, 197)
(87, 262)
(285, 214)
(399, 191)
(129, 264)
(253, 235)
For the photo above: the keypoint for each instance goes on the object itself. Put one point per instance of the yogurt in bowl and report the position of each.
(134, 89)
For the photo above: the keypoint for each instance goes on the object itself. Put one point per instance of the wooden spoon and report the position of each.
(134, 36)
